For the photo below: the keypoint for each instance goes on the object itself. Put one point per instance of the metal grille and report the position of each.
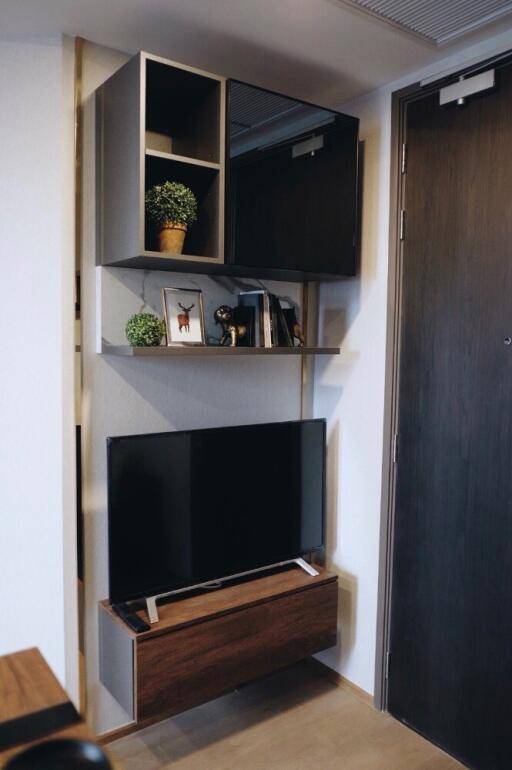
(438, 21)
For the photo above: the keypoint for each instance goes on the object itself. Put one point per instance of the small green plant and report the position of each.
(145, 330)
(171, 202)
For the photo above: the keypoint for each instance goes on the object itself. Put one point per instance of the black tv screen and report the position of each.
(191, 506)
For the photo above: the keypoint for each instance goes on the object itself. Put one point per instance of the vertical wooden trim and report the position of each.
(221, 257)
(79, 48)
(310, 331)
(99, 178)
(303, 362)
(385, 564)
(304, 300)
(78, 216)
(400, 99)
(398, 180)
(142, 151)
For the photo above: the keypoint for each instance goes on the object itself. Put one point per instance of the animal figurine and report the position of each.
(297, 333)
(184, 318)
(294, 326)
(232, 331)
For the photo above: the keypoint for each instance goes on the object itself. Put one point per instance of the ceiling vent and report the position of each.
(438, 21)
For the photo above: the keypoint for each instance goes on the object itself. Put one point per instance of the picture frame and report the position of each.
(184, 316)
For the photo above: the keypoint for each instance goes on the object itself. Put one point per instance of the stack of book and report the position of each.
(268, 324)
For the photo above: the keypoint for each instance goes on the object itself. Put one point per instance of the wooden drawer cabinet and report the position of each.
(207, 645)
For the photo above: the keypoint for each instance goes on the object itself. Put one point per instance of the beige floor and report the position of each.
(294, 720)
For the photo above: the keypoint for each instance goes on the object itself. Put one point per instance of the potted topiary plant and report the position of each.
(172, 207)
(144, 330)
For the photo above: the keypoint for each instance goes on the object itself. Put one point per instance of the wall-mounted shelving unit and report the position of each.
(160, 121)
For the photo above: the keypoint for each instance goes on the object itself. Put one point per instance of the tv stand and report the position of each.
(210, 643)
(151, 601)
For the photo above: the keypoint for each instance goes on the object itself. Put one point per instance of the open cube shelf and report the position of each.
(202, 238)
(182, 112)
(159, 121)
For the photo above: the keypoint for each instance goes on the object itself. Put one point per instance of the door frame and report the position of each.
(399, 102)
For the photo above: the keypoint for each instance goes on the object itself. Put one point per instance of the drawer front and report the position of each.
(179, 670)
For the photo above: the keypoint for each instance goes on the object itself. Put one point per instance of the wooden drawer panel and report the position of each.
(178, 670)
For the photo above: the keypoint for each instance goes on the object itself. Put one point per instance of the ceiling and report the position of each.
(324, 51)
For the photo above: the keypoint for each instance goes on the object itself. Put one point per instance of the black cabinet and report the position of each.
(291, 184)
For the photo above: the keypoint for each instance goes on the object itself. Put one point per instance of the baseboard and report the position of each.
(118, 732)
(339, 680)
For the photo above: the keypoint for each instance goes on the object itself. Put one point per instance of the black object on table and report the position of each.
(31, 727)
(61, 754)
(130, 618)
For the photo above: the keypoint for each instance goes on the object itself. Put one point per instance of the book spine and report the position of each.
(286, 338)
(267, 328)
(277, 340)
(255, 301)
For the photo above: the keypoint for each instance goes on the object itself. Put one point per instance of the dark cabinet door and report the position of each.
(291, 184)
(450, 666)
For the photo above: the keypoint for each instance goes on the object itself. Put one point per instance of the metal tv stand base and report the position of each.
(152, 600)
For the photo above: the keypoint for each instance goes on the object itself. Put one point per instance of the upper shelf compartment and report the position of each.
(202, 240)
(159, 122)
(182, 112)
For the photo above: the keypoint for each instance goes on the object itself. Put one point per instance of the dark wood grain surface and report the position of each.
(215, 351)
(450, 669)
(195, 663)
(198, 608)
(27, 685)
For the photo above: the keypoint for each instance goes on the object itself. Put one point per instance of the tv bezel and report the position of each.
(161, 590)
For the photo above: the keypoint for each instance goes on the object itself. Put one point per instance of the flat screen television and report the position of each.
(192, 506)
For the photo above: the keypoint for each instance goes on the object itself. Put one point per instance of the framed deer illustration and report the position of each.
(184, 316)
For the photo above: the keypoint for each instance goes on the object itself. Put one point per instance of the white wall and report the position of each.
(37, 489)
(123, 396)
(350, 390)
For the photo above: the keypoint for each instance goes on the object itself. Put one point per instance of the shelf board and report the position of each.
(185, 258)
(183, 159)
(185, 263)
(177, 351)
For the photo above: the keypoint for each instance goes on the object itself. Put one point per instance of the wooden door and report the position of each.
(450, 665)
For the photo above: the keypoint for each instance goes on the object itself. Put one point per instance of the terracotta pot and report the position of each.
(171, 237)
